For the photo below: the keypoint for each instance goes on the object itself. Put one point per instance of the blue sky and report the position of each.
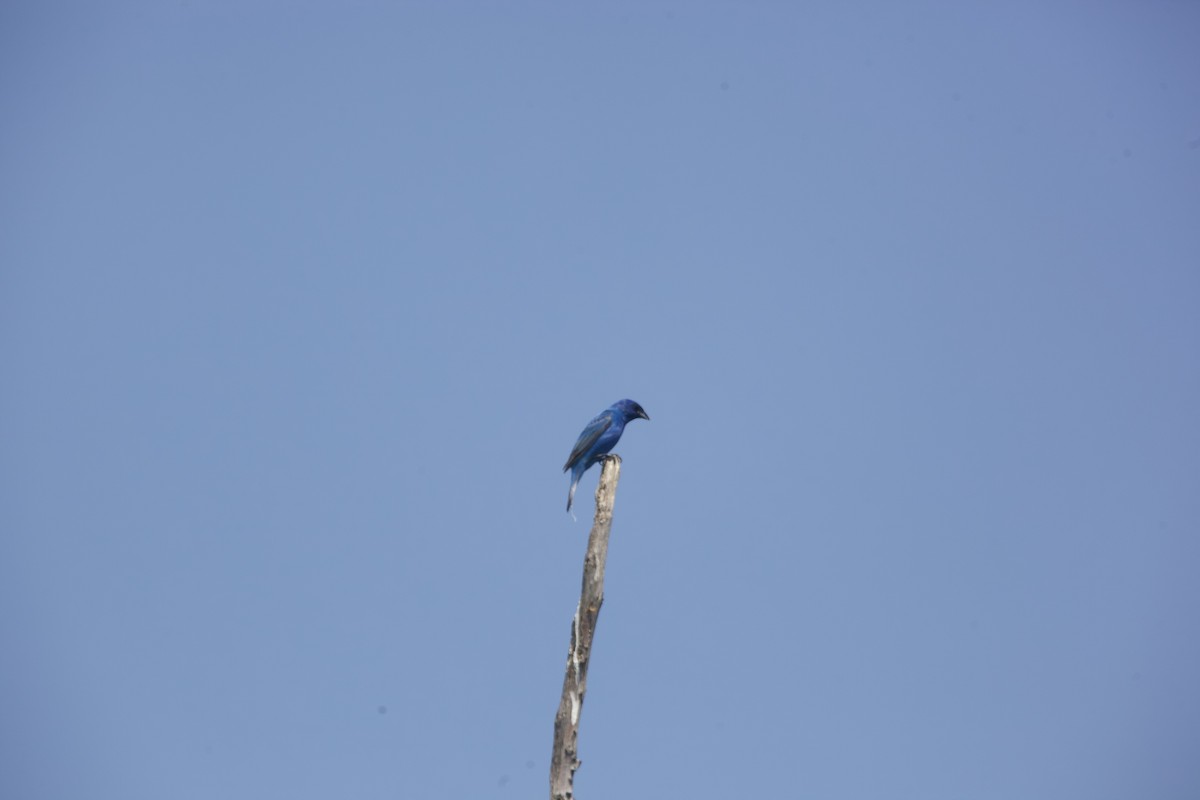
(302, 307)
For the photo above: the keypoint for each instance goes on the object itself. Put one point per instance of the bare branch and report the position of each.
(564, 760)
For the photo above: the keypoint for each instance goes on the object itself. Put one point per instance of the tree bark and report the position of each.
(564, 760)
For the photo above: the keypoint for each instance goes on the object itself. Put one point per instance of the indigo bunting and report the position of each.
(600, 436)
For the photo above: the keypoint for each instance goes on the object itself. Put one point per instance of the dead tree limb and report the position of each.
(564, 760)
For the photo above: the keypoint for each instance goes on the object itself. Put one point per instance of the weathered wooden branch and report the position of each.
(564, 760)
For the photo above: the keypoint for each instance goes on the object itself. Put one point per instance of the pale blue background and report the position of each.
(304, 305)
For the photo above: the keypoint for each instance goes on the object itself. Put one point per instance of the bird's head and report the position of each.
(630, 410)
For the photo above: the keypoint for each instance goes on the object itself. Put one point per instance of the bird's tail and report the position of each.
(571, 493)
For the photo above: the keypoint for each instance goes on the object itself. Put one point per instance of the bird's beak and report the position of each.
(644, 416)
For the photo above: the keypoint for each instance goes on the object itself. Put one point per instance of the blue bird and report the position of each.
(599, 437)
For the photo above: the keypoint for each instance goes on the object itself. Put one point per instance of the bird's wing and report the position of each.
(588, 438)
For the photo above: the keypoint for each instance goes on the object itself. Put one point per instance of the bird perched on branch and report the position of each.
(598, 438)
